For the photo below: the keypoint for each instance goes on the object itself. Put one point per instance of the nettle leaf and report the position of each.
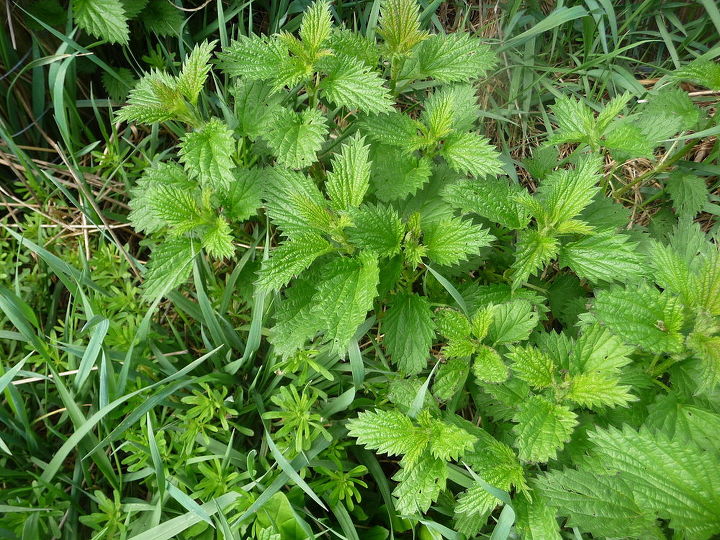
(244, 196)
(599, 504)
(598, 351)
(593, 390)
(393, 129)
(565, 193)
(295, 138)
(575, 121)
(703, 72)
(470, 153)
(396, 174)
(133, 7)
(512, 322)
(673, 103)
(409, 331)
(670, 478)
(355, 45)
(495, 199)
(195, 70)
(689, 193)
(533, 366)
(143, 205)
(217, 239)
(169, 266)
(255, 107)
(603, 257)
(207, 154)
(377, 228)
(345, 296)
(455, 106)
(642, 316)
(316, 26)
(289, 259)
(352, 84)
(450, 378)
(708, 279)
(175, 206)
(255, 58)
(349, 180)
(155, 98)
(542, 428)
(535, 518)
(626, 140)
(162, 18)
(452, 58)
(451, 240)
(387, 432)
(419, 485)
(488, 366)
(399, 26)
(533, 252)
(684, 422)
(295, 320)
(104, 19)
(294, 203)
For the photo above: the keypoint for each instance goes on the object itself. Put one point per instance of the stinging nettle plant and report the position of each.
(566, 338)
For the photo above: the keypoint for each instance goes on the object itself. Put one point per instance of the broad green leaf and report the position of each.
(593, 390)
(566, 192)
(533, 366)
(452, 240)
(703, 72)
(393, 129)
(396, 174)
(533, 252)
(492, 198)
(352, 84)
(349, 180)
(542, 428)
(289, 259)
(295, 138)
(409, 330)
(470, 153)
(512, 322)
(294, 203)
(575, 122)
(207, 154)
(217, 239)
(453, 57)
(603, 257)
(255, 107)
(104, 19)
(376, 228)
(488, 366)
(316, 26)
(419, 485)
(169, 266)
(194, 71)
(400, 26)
(688, 192)
(155, 98)
(143, 214)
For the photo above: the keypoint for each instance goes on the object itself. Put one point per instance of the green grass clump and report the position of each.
(359, 270)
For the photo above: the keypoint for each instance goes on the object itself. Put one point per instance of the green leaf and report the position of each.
(603, 257)
(673, 479)
(387, 432)
(104, 19)
(143, 205)
(535, 518)
(642, 316)
(488, 366)
(684, 422)
(155, 98)
(575, 121)
(512, 322)
(601, 505)
(354, 44)
(451, 107)
(451, 240)
(419, 485)
(542, 428)
(533, 366)
(703, 72)
(207, 154)
(675, 104)
(289, 259)
(594, 390)
(352, 84)
(396, 174)
(393, 129)
(626, 140)
(533, 252)
(598, 351)
(469, 153)
(316, 26)
(453, 57)
(255, 107)
(294, 203)
(194, 71)
(565, 193)
(257, 58)
(295, 138)
(174, 206)
(400, 26)
(217, 239)
(688, 192)
(409, 330)
(163, 18)
(377, 228)
(345, 296)
(295, 319)
(169, 266)
(447, 441)
(495, 199)
(243, 198)
(450, 378)
(349, 180)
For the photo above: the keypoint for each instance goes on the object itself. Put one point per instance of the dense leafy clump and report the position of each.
(519, 352)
